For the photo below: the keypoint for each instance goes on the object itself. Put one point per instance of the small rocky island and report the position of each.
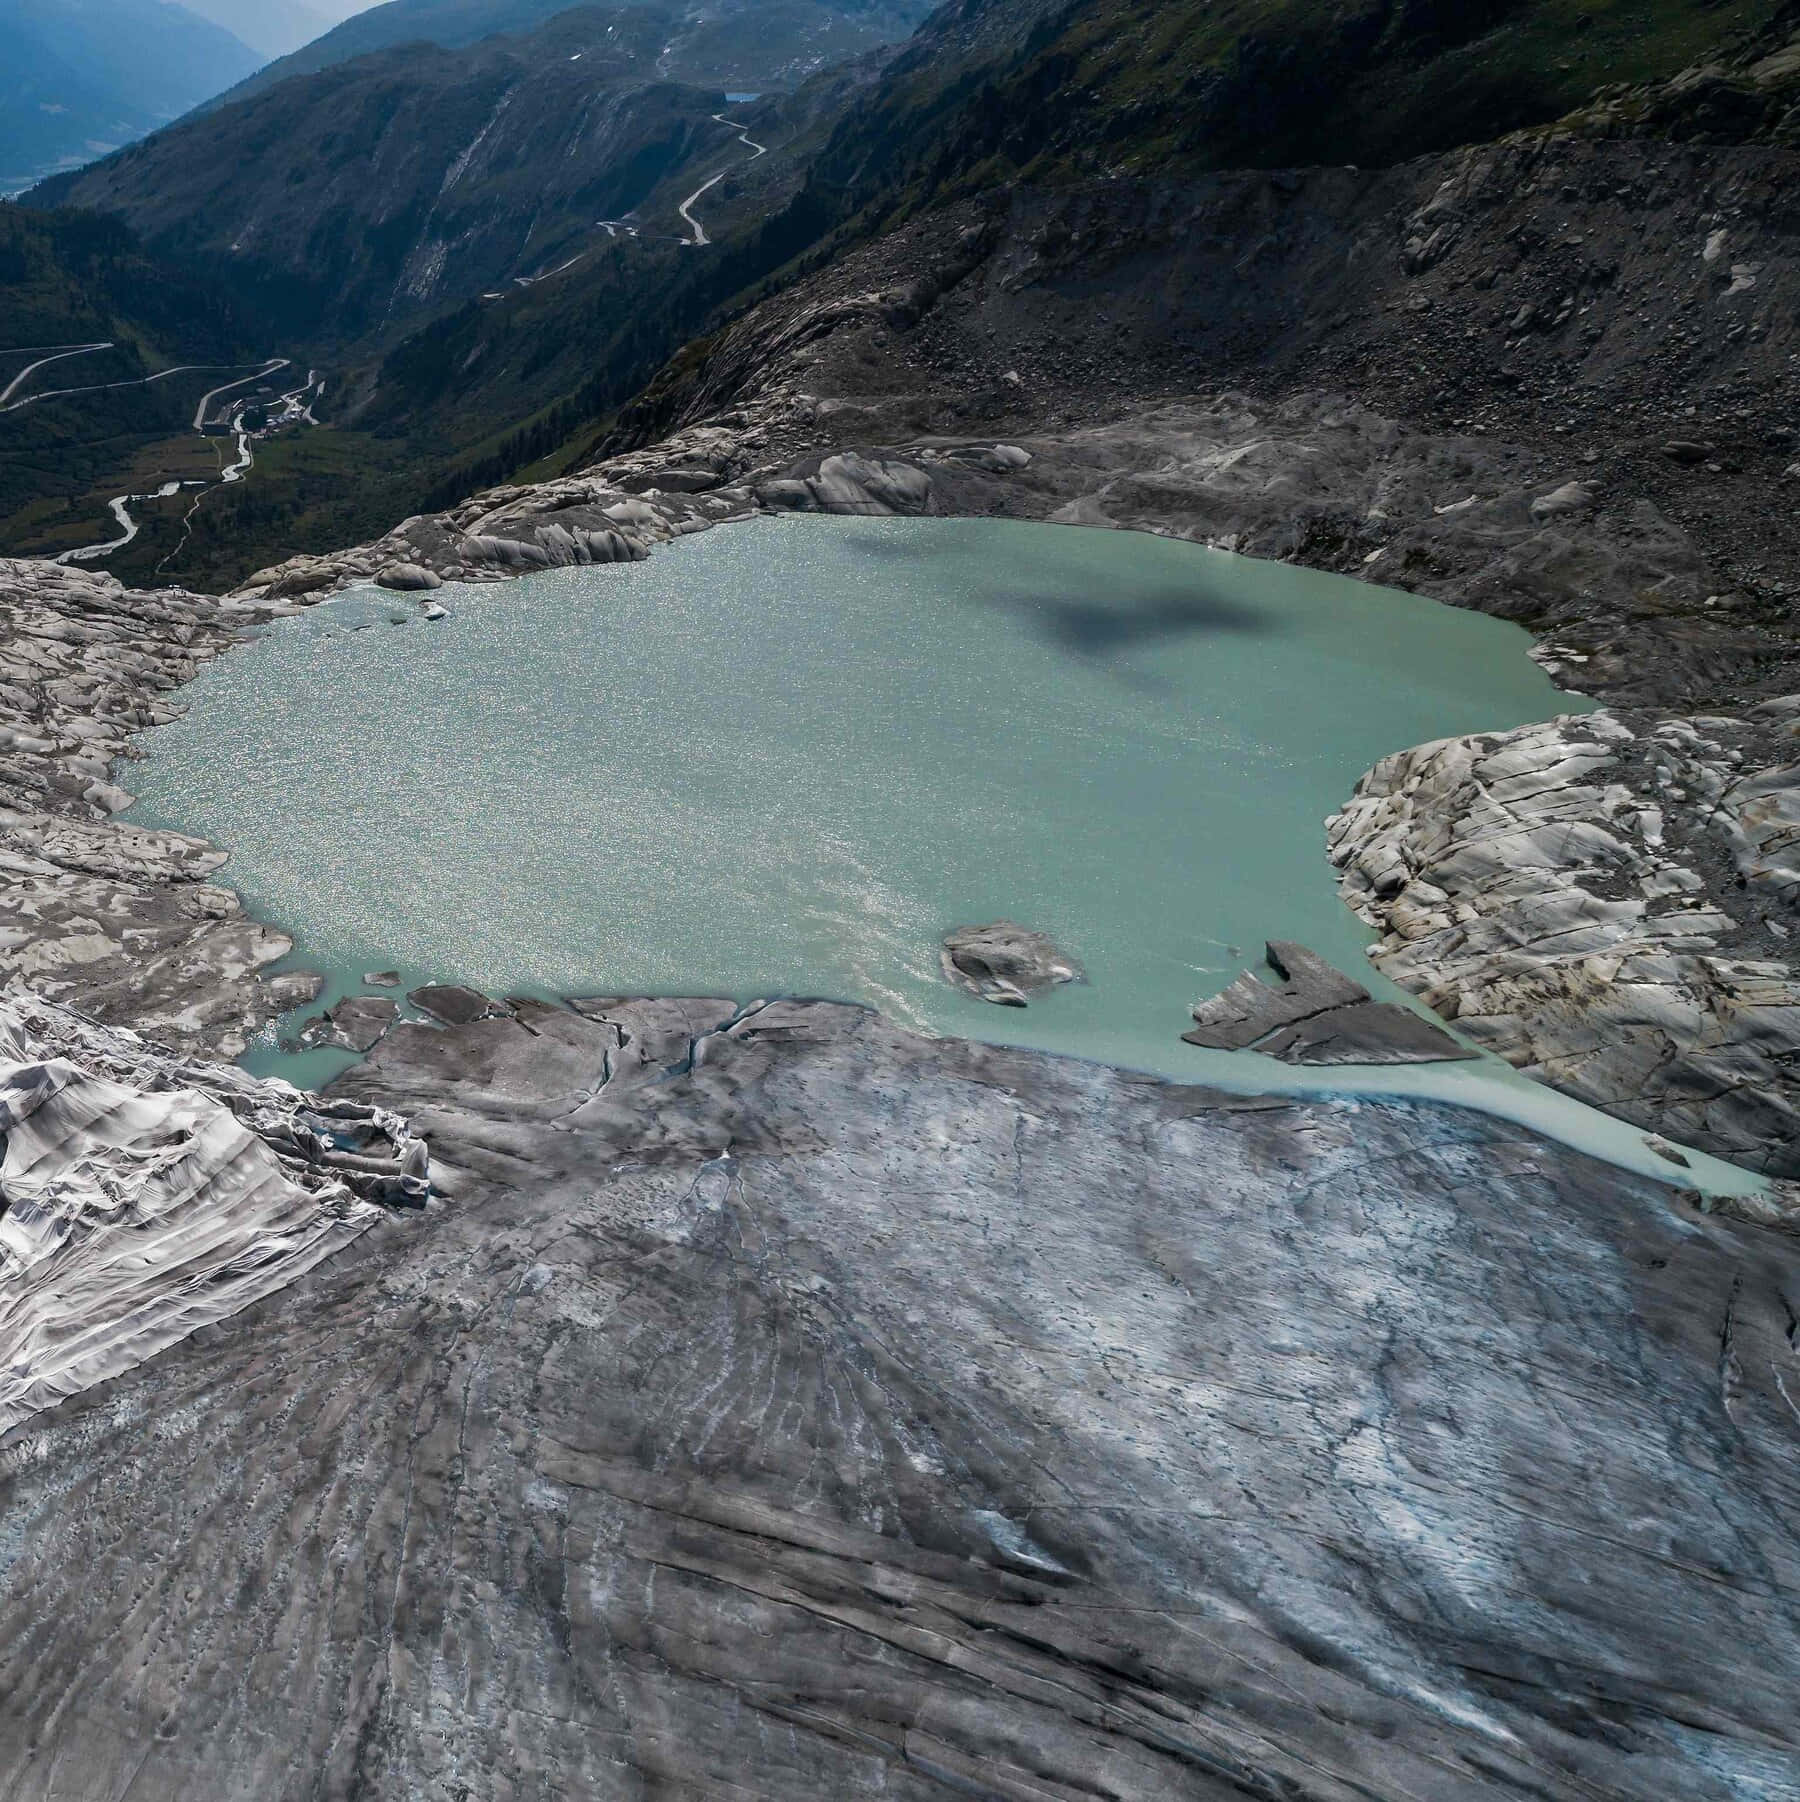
(1005, 963)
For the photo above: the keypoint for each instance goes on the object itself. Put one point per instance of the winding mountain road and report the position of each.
(700, 238)
(31, 400)
(62, 351)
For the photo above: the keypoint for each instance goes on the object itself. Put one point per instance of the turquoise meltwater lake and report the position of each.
(786, 757)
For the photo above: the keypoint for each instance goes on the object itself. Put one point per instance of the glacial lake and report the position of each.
(785, 757)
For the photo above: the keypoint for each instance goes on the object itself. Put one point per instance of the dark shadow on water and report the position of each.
(1108, 634)
(1093, 626)
(1097, 629)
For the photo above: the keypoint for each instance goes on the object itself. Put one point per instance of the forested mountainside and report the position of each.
(80, 77)
(71, 276)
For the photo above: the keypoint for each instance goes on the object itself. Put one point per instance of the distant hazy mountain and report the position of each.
(277, 27)
(272, 28)
(697, 34)
(81, 77)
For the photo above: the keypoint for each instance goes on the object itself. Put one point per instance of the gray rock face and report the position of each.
(850, 483)
(798, 1409)
(508, 532)
(119, 920)
(144, 1197)
(1317, 1016)
(1608, 902)
(1005, 963)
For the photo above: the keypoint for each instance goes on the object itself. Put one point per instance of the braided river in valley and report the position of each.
(787, 757)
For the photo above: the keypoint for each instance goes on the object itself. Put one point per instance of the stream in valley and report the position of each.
(786, 758)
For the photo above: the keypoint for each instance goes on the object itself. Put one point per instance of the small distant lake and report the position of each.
(786, 757)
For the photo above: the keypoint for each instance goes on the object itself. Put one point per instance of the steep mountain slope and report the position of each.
(851, 186)
(80, 77)
(726, 44)
(499, 384)
(523, 196)
(993, 89)
(501, 324)
(345, 201)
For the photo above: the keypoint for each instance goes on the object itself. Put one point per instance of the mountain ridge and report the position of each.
(406, 179)
(696, 33)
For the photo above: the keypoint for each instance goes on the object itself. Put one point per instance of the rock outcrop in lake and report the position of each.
(1005, 963)
(781, 1405)
(1609, 902)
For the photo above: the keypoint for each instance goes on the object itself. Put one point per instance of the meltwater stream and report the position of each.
(787, 757)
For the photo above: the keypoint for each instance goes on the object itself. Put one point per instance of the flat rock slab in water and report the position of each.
(853, 1415)
(457, 1006)
(353, 1025)
(1005, 963)
(1317, 1016)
